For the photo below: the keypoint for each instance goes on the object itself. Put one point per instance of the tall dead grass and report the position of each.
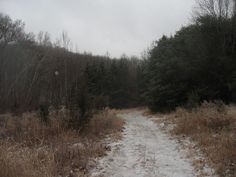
(102, 124)
(213, 127)
(31, 148)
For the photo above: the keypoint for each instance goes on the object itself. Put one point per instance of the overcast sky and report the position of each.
(98, 26)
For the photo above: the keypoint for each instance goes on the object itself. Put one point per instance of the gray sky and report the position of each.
(98, 26)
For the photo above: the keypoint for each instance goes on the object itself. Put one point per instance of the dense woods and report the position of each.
(37, 73)
(198, 63)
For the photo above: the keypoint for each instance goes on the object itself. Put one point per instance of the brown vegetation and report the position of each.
(31, 148)
(213, 127)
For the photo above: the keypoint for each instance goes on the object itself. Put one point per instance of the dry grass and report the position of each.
(29, 148)
(213, 127)
(102, 125)
(128, 110)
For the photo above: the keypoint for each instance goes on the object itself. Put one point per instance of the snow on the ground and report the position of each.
(144, 151)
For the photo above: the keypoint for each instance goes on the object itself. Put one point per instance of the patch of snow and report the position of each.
(196, 155)
(162, 125)
(144, 151)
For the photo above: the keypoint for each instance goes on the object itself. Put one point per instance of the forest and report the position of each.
(195, 64)
(36, 74)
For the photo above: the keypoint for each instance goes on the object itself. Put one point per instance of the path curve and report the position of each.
(144, 151)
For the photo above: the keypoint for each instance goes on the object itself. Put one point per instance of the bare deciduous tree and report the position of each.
(65, 40)
(44, 39)
(10, 30)
(216, 8)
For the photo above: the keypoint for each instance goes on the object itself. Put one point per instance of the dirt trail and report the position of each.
(144, 151)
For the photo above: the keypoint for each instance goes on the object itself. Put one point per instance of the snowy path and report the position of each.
(144, 151)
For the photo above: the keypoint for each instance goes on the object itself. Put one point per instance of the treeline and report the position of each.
(198, 63)
(36, 73)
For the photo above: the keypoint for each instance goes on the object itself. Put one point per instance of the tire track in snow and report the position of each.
(144, 151)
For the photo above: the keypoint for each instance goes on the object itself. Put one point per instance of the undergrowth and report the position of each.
(31, 148)
(213, 127)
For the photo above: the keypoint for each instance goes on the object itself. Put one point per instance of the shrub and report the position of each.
(30, 148)
(212, 126)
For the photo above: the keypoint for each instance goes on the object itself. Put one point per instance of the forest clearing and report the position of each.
(103, 88)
